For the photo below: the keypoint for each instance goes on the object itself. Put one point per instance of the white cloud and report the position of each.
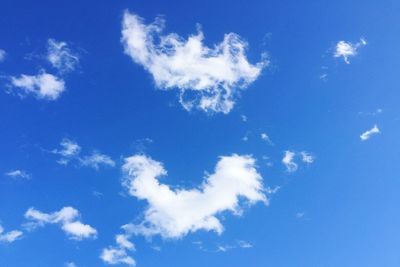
(123, 242)
(19, 174)
(244, 244)
(114, 255)
(2, 55)
(224, 248)
(175, 213)
(288, 161)
(266, 138)
(207, 78)
(346, 49)
(119, 253)
(70, 264)
(307, 157)
(61, 57)
(67, 217)
(69, 150)
(42, 86)
(9, 237)
(371, 132)
(96, 159)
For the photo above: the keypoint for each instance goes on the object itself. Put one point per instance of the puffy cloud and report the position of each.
(19, 174)
(175, 213)
(67, 217)
(207, 78)
(2, 55)
(9, 237)
(371, 132)
(61, 56)
(97, 159)
(119, 253)
(42, 86)
(288, 161)
(346, 49)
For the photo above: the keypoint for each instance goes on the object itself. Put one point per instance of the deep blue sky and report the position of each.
(348, 197)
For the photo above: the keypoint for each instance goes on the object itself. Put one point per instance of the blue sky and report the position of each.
(124, 145)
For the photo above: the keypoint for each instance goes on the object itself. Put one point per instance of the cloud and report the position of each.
(244, 244)
(9, 237)
(207, 78)
(371, 132)
(70, 264)
(19, 174)
(42, 86)
(175, 213)
(266, 138)
(307, 157)
(67, 217)
(288, 161)
(61, 56)
(69, 150)
(96, 159)
(346, 49)
(119, 253)
(2, 55)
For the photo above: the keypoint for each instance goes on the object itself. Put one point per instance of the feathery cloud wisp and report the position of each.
(61, 56)
(369, 133)
(19, 174)
(9, 237)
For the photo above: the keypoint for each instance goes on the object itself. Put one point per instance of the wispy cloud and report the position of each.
(61, 56)
(119, 254)
(42, 86)
(3, 54)
(19, 174)
(96, 159)
(67, 218)
(369, 133)
(207, 78)
(346, 49)
(288, 161)
(9, 237)
(71, 150)
(307, 157)
(266, 138)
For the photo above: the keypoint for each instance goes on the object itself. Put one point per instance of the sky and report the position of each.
(199, 133)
